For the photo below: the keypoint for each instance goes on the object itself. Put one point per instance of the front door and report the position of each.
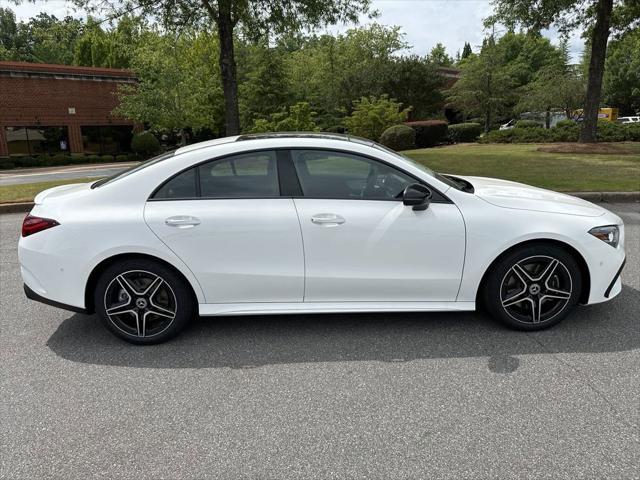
(361, 243)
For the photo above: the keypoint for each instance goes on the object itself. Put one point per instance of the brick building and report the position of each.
(49, 109)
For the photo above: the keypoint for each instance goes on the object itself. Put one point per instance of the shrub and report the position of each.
(371, 116)
(566, 124)
(28, 162)
(132, 157)
(610, 132)
(121, 158)
(92, 158)
(527, 124)
(399, 137)
(429, 132)
(6, 163)
(565, 132)
(335, 129)
(59, 159)
(632, 132)
(464, 132)
(145, 144)
(106, 159)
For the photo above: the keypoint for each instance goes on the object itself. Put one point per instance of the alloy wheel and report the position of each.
(140, 303)
(536, 289)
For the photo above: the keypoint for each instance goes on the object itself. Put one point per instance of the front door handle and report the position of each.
(327, 219)
(182, 221)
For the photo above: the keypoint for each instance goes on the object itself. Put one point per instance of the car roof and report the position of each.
(274, 136)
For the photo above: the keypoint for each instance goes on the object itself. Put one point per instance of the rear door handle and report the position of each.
(327, 219)
(182, 221)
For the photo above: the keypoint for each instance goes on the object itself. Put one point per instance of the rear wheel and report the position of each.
(533, 288)
(143, 302)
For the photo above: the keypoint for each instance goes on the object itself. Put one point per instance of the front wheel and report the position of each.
(533, 287)
(143, 302)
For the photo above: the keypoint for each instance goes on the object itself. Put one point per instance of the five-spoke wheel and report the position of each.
(143, 301)
(533, 287)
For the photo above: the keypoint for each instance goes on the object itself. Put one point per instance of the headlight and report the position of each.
(609, 234)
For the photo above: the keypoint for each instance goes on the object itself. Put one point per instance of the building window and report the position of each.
(37, 140)
(106, 140)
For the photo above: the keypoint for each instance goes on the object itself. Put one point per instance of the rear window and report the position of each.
(135, 168)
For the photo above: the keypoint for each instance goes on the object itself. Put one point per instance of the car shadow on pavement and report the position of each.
(254, 341)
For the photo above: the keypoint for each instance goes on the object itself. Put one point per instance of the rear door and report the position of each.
(226, 220)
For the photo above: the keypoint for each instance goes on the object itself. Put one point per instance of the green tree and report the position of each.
(178, 85)
(557, 85)
(594, 17)
(622, 74)
(466, 51)
(297, 118)
(254, 18)
(439, 56)
(486, 86)
(371, 116)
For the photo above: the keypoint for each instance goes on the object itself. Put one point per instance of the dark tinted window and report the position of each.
(247, 175)
(327, 174)
(180, 186)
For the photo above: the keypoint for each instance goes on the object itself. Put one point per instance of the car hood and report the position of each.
(59, 192)
(506, 194)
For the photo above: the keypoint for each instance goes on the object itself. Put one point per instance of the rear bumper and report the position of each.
(31, 295)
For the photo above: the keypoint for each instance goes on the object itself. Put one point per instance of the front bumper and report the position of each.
(616, 280)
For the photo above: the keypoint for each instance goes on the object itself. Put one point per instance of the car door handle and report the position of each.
(182, 221)
(327, 219)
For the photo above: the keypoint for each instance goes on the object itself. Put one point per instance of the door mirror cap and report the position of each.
(417, 195)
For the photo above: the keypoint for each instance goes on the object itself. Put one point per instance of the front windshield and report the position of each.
(133, 169)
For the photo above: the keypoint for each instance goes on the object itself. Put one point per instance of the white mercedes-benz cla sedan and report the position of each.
(313, 223)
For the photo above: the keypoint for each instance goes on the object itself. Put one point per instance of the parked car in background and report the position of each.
(312, 223)
(634, 119)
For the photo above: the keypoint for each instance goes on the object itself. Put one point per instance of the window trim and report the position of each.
(288, 180)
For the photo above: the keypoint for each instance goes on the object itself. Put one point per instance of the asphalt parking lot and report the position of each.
(334, 396)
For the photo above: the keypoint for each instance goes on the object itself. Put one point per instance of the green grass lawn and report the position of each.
(27, 191)
(522, 163)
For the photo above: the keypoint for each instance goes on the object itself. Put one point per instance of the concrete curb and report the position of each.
(596, 197)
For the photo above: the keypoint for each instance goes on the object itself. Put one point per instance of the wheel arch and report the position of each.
(107, 262)
(582, 264)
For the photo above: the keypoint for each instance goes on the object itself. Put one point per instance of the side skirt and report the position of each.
(211, 309)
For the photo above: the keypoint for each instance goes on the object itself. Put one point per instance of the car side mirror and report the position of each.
(417, 195)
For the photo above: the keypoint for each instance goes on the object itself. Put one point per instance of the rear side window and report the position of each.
(249, 175)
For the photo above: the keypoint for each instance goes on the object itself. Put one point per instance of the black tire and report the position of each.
(143, 301)
(533, 287)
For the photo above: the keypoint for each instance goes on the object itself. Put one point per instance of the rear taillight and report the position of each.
(32, 225)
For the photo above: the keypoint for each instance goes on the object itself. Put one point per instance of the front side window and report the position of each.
(248, 175)
(329, 174)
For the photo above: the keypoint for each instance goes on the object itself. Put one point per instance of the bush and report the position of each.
(106, 158)
(28, 162)
(121, 158)
(399, 137)
(611, 132)
(6, 163)
(145, 144)
(92, 158)
(565, 124)
(297, 118)
(335, 129)
(59, 160)
(132, 157)
(429, 132)
(527, 124)
(371, 116)
(464, 132)
(632, 132)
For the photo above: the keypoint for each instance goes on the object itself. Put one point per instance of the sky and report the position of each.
(424, 22)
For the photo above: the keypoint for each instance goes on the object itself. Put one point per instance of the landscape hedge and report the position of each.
(429, 133)
(7, 163)
(565, 131)
(527, 124)
(464, 132)
(399, 137)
